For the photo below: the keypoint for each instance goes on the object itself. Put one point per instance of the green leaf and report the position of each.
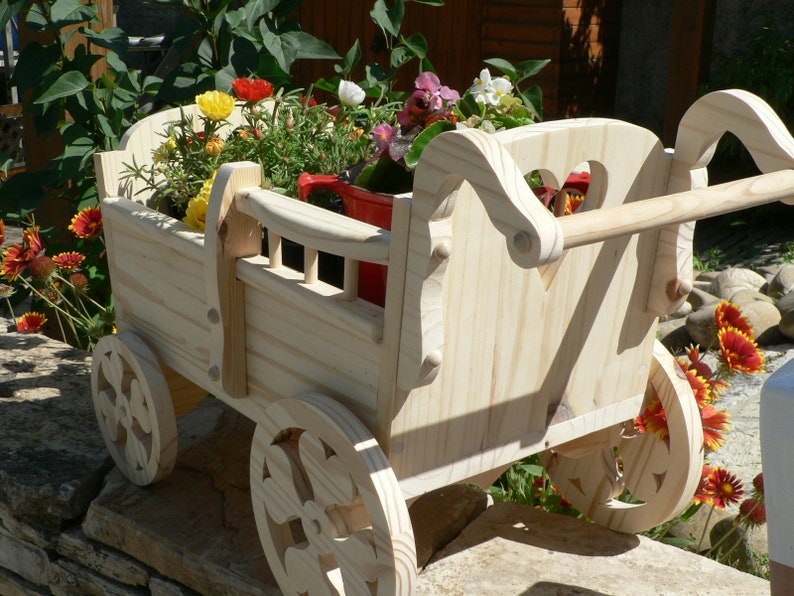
(309, 47)
(423, 138)
(112, 38)
(351, 59)
(9, 9)
(530, 68)
(533, 100)
(71, 12)
(35, 63)
(417, 44)
(504, 66)
(68, 84)
(388, 19)
(284, 48)
(36, 20)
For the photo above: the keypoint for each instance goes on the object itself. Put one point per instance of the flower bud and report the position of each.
(350, 94)
(42, 267)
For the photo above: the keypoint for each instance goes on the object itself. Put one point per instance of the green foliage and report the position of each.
(88, 115)
(217, 42)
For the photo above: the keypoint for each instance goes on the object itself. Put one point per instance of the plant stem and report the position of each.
(705, 527)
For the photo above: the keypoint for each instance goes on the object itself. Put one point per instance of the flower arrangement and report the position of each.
(71, 287)
(718, 488)
(289, 132)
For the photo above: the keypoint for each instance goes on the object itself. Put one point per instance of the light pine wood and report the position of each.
(662, 474)
(133, 407)
(315, 464)
(506, 331)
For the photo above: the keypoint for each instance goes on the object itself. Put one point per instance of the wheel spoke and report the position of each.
(107, 408)
(330, 484)
(285, 490)
(138, 406)
(306, 572)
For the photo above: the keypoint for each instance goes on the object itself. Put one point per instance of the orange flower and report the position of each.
(654, 420)
(572, 202)
(15, 259)
(31, 322)
(252, 89)
(715, 422)
(214, 146)
(728, 314)
(69, 260)
(32, 241)
(725, 488)
(740, 351)
(696, 364)
(87, 223)
(701, 496)
(700, 387)
(2, 231)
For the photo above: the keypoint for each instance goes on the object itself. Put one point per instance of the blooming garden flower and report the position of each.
(196, 216)
(87, 223)
(68, 261)
(252, 89)
(715, 422)
(31, 322)
(724, 488)
(215, 105)
(2, 232)
(350, 94)
(728, 314)
(740, 351)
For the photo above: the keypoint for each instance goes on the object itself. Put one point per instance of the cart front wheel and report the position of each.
(661, 474)
(133, 407)
(328, 508)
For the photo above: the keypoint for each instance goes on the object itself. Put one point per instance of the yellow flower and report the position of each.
(215, 105)
(196, 214)
(214, 146)
(163, 152)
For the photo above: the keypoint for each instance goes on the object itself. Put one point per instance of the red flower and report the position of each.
(15, 259)
(696, 364)
(758, 484)
(700, 387)
(725, 488)
(78, 280)
(252, 89)
(32, 241)
(752, 512)
(31, 322)
(728, 314)
(87, 223)
(701, 496)
(308, 102)
(739, 351)
(715, 422)
(2, 231)
(654, 419)
(69, 260)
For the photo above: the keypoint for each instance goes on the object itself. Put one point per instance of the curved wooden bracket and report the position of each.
(229, 235)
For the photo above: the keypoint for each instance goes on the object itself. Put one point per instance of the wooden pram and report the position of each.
(506, 332)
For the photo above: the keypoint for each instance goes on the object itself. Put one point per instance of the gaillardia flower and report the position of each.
(87, 223)
(31, 322)
(69, 261)
(728, 314)
(215, 105)
(739, 351)
(725, 488)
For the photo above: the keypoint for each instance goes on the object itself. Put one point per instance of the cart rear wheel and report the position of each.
(330, 514)
(661, 474)
(133, 407)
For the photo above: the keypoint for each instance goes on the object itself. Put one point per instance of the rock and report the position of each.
(701, 326)
(54, 456)
(768, 271)
(732, 280)
(726, 537)
(684, 310)
(744, 296)
(698, 298)
(116, 566)
(26, 560)
(440, 515)
(786, 325)
(196, 527)
(526, 551)
(782, 283)
(764, 318)
(785, 303)
(68, 577)
(674, 335)
(13, 585)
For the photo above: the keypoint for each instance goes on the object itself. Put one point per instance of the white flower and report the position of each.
(489, 90)
(350, 94)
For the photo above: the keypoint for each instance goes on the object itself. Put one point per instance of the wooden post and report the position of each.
(690, 56)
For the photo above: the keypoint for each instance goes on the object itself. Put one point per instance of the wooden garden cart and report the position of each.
(506, 332)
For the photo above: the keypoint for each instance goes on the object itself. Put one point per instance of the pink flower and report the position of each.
(382, 134)
(429, 82)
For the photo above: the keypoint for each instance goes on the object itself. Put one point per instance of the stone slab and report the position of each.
(52, 457)
(111, 564)
(68, 578)
(515, 549)
(196, 527)
(13, 585)
(24, 559)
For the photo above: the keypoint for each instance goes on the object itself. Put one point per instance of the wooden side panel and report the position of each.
(157, 276)
(527, 349)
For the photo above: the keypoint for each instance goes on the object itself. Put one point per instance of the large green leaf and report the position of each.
(417, 44)
(423, 138)
(9, 9)
(22, 192)
(69, 83)
(35, 63)
(71, 12)
(284, 47)
(388, 19)
(310, 47)
(112, 38)
(530, 68)
(503, 65)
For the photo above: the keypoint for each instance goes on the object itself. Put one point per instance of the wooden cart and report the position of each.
(506, 332)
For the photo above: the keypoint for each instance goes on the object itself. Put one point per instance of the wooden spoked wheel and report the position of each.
(661, 474)
(133, 407)
(330, 514)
